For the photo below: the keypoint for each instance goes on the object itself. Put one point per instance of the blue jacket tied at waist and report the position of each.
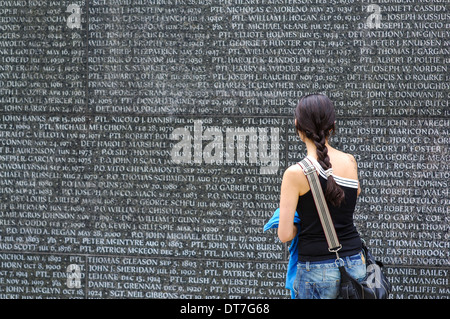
(293, 250)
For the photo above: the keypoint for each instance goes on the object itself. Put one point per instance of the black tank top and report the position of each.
(312, 244)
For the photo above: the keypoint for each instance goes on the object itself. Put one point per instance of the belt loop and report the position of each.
(348, 261)
(307, 266)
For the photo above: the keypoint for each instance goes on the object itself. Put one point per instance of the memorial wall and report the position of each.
(143, 142)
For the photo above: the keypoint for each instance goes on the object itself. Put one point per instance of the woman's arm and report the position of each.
(291, 187)
(354, 166)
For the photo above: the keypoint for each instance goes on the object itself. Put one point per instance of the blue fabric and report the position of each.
(293, 250)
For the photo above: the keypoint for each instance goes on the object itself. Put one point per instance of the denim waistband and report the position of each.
(332, 263)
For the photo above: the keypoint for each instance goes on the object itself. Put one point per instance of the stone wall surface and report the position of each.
(143, 142)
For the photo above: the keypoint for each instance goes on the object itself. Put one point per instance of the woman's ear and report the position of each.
(302, 135)
(299, 133)
(295, 126)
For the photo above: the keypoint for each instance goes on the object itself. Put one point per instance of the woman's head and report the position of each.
(315, 118)
(315, 114)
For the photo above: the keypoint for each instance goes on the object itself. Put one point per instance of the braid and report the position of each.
(321, 150)
(317, 127)
(333, 193)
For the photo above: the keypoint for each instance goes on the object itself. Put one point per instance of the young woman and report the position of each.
(317, 269)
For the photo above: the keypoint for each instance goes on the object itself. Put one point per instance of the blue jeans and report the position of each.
(321, 279)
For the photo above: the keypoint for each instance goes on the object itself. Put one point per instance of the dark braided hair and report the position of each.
(315, 118)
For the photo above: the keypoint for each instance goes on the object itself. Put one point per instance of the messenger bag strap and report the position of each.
(319, 199)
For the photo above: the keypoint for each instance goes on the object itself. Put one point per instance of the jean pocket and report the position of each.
(322, 289)
(358, 272)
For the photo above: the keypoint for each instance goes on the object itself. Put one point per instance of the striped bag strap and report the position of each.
(319, 199)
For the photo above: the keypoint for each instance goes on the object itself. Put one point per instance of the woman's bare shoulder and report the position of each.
(293, 172)
(344, 164)
(295, 177)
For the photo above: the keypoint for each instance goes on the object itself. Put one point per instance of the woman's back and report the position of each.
(312, 241)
